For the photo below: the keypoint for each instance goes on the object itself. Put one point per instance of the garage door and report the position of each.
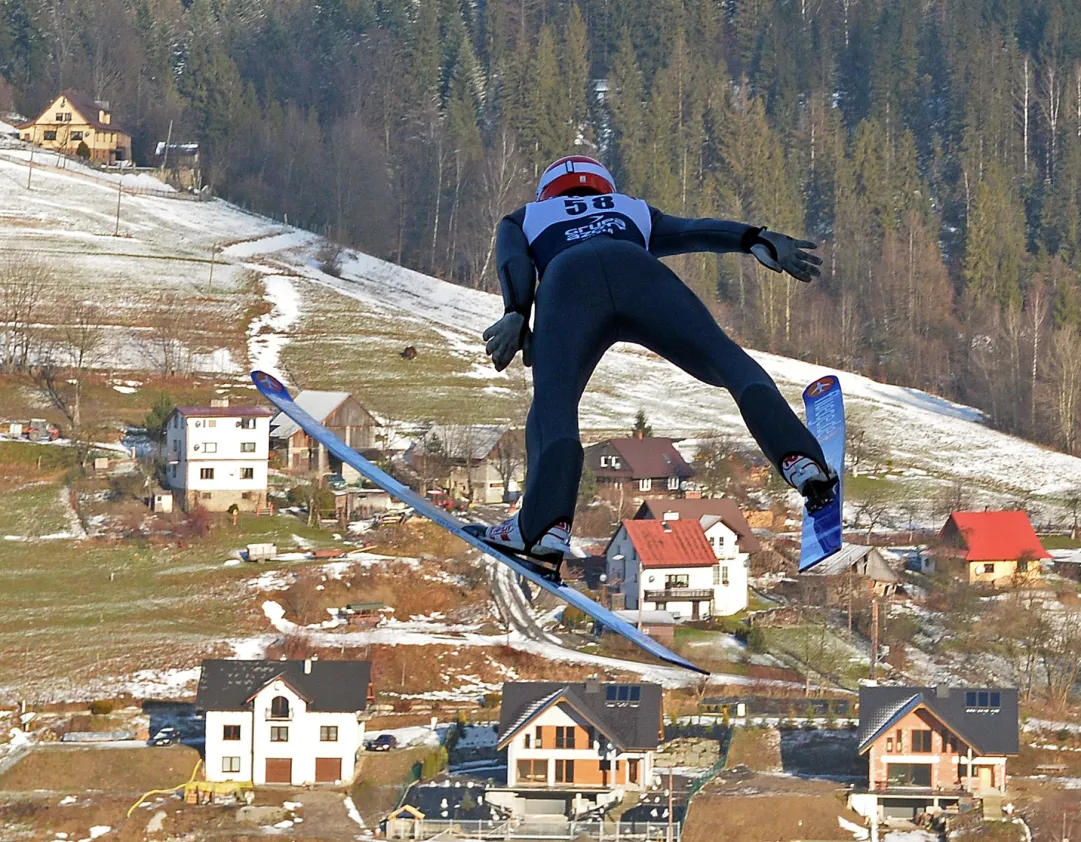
(279, 770)
(328, 769)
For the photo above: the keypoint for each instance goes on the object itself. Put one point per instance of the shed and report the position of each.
(161, 501)
(660, 625)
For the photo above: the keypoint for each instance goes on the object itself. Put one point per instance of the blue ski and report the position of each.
(277, 394)
(826, 420)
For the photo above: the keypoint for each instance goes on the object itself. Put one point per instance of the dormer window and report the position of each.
(279, 708)
(604, 461)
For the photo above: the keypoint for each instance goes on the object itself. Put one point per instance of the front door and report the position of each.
(694, 610)
(328, 770)
(632, 770)
(279, 770)
(986, 773)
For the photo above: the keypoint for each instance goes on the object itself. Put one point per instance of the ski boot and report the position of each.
(548, 550)
(818, 487)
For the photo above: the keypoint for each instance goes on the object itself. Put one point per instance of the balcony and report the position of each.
(679, 595)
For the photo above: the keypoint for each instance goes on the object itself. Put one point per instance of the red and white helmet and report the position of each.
(574, 172)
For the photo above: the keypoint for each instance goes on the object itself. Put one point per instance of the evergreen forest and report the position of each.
(931, 147)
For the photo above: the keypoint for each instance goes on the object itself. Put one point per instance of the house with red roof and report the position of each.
(670, 565)
(999, 549)
(77, 124)
(631, 469)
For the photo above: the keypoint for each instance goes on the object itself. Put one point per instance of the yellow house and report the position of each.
(1000, 549)
(74, 118)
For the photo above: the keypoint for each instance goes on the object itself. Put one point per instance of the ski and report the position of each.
(825, 406)
(278, 395)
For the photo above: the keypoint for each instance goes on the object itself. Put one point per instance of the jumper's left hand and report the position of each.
(781, 253)
(506, 338)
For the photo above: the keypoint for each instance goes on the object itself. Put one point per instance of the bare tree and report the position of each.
(510, 457)
(503, 172)
(21, 300)
(1063, 393)
(164, 346)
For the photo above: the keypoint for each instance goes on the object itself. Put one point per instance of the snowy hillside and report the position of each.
(365, 317)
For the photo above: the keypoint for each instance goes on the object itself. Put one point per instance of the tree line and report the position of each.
(933, 149)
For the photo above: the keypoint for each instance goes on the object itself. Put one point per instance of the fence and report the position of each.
(541, 831)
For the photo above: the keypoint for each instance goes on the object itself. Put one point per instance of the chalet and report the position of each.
(479, 463)
(671, 565)
(727, 530)
(216, 456)
(574, 747)
(343, 415)
(284, 722)
(933, 749)
(73, 121)
(854, 571)
(636, 468)
(999, 549)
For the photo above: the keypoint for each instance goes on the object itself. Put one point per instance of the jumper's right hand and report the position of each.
(506, 338)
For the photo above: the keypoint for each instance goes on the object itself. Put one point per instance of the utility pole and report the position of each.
(119, 191)
(213, 251)
(30, 171)
(670, 837)
(874, 637)
(165, 152)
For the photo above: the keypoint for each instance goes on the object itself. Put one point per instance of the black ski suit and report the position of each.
(600, 283)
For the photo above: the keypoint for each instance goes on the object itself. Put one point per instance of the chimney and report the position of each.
(666, 526)
(307, 666)
(639, 434)
(593, 685)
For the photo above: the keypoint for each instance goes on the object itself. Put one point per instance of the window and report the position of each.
(176, 445)
(899, 743)
(212, 423)
(67, 116)
(206, 495)
(636, 695)
(610, 693)
(60, 116)
(604, 461)
(247, 473)
(565, 771)
(989, 568)
(247, 447)
(889, 743)
(245, 495)
(564, 736)
(230, 732)
(279, 733)
(230, 764)
(206, 473)
(673, 483)
(996, 699)
(677, 580)
(540, 737)
(210, 447)
(533, 771)
(247, 423)
(172, 471)
(279, 708)
(909, 774)
(724, 575)
(50, 134)
(921, 741)
(1022, 565)
(328, 733)
(624, 694)
(76, 135)
(645, 484)
(526, 741)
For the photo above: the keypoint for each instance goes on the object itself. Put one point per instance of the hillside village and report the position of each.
(212, 629)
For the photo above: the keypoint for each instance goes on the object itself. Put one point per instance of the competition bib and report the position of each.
(554, 225)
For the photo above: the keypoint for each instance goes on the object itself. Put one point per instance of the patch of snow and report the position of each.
(68, 799)
(858, 831)
(352, 812)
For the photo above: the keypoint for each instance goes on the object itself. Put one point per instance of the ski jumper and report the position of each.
(601, 282)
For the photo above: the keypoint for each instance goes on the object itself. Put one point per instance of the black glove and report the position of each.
(506, 338)
(780, 252)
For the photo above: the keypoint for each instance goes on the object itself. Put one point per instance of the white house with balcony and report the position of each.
(284, 722)
(678, 566)
(574, 747)
(217, 456)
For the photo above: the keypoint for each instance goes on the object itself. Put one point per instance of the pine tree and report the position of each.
(995, 244)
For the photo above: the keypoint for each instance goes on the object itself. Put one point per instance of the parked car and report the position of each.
(384, 742)
(394, 516)
(166, 736)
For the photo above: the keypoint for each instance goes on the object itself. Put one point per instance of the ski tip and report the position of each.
(268, 384)
(821, 386)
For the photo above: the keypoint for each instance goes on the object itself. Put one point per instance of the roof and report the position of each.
(629, 726)
(331, 685)
(317, 404)
(85, 105)
(990, 731)
(223, 411)
(649, 457)
(468, 442)
(724, 508)
(995, 536)
(673, 543)
(868, 562)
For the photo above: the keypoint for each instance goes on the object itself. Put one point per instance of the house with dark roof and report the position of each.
(998, 549)
(628, 470)
(933, 749)
(73, 120)
(339, 412)
(676, 565)
(216, 456)
(574, 747)
(285, 722)
(483, 463)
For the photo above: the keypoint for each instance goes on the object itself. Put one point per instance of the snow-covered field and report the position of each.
(69, 218)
